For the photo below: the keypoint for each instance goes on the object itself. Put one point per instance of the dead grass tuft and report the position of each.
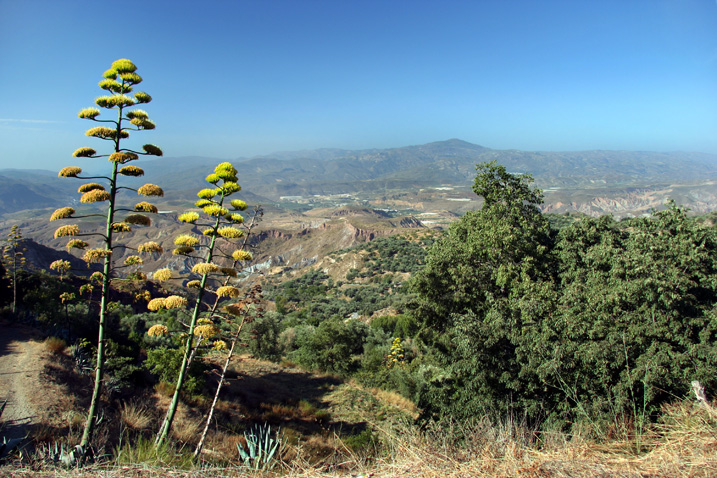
(55, 345)
(135, 416)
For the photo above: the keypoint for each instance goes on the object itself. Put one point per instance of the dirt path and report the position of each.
(20, 367)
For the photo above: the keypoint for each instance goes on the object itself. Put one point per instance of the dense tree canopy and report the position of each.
(602, 317)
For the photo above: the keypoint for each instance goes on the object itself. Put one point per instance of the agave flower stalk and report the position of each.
(223, 225)
(245, 309)
(13, 259)
(118, 81)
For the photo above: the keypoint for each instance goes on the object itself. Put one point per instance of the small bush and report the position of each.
(55, 345)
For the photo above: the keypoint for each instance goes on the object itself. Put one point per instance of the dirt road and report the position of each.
(20, 367)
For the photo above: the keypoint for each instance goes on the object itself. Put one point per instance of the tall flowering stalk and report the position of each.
(13, 259)
(222, 228)
(118, 81)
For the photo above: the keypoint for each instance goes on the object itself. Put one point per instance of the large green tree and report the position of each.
(635, 322)
(486, 282)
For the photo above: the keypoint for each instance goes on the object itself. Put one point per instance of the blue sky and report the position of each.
(248, 77)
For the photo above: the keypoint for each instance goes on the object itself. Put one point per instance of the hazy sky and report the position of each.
(235, 78)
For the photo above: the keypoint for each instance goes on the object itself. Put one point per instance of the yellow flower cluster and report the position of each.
(238, 204)
(95, 255)
(206, 331)
(228, 291)
(186, 240)
(152, 149)
(206, 193)
(219, 345)
(204, 268)
(69, 230)
(84, 152)
(96, 195)
(133, 261)
(89, 187)
(194, 284)
(162, 275)
(138, 219)
(156, 304)
(88, 113)
(145, 207)
(122, 157)
(69, 172)
(396, 355)
(149, 247)
(150, 190)
(242, 255)
(133, 171)
(62, 213)
(121, 227)
(182, 251)
(175, 302)
(230, 232)
(158, 330)
(236, 218)
(76, 244)
(215, 210)
(61, 266)
(189, 217)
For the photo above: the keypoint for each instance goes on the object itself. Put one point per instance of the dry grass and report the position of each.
(135, 416)
(55, 345)
(683, 445)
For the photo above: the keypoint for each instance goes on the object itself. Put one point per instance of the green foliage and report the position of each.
(598, 320)
(484, 282)
(264, 341)
(333, 346)
(165, 363)
(635, 321)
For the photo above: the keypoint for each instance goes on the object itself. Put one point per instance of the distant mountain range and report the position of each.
(336, 171)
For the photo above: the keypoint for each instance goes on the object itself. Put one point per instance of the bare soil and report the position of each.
(31, 400)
